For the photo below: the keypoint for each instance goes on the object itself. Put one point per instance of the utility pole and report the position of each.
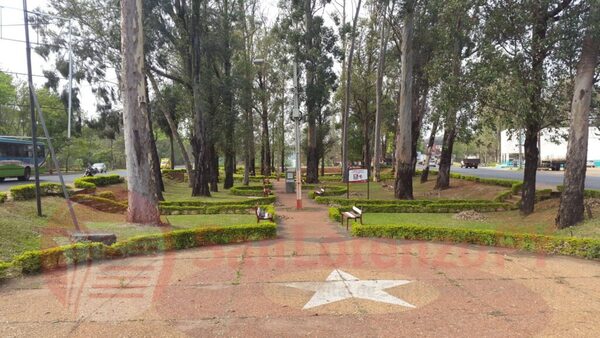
(297, 117)
(32, 111)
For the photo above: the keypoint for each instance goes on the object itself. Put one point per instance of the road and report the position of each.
(544, 179)
(10, 182)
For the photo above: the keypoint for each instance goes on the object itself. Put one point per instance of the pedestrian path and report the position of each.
(316, 280)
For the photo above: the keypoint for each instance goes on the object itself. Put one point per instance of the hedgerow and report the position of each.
(250, 190)
(329, 191)
(587, 193)
(107, 194)
(211, 210)
(363, 201)
(3, 197)
(503, 196)
(27, 191)
(431, 208)
(100, 203)
(36, 261)
(199, 203)
(97, 181)
(580, 247)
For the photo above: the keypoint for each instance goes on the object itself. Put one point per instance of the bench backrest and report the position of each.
(357, 210)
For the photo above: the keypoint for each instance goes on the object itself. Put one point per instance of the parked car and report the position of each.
(470, 163)
(591, 164)
(432, 164)
(165, 163)
(99, 167)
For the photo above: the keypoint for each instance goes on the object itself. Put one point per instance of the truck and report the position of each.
(470, 163)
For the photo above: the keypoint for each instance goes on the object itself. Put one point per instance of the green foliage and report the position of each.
(212, 209)
(97, 181)
(516, 188)
(200, 203)
(503, 196)
(329, 191)
(335, 214)
(580, 247)
(107, 194)
(100, 203)
(36, 261)
(251, 190)
(431, 207)
(27, 191)
(2, 197)
(587, 193)
(364, 202)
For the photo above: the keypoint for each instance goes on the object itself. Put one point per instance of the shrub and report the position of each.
(329, 191)
(516, 187)
(41, 260)
(587, 193)
(107, 194)
(27, 191)
(250, 190)
(503, 196)
(178, 175)
(2, 197)
(257, 178)
(335, 214)
(363, 202)
(199, 203)
(100, 203)
(432, 207)
(97, 181)
(580, 247)
(542, 195)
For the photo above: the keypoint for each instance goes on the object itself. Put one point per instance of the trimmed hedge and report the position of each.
(257, 178)
(503, 196)
(3, 197)
(200, 203)
(329, 191)
(363, 201)
(587, 193)
(27, 191)
(580, 247)
(100, 203)
(249, 190)
(432, 207)
(42, 260)
(97, 181)
(174, 174)
(211, 210)
(107, 194)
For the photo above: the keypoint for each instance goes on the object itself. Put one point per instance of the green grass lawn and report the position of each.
(540, 222)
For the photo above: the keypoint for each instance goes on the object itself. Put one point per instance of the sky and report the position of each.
(13, 51)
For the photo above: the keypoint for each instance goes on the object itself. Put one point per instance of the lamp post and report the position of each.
(296, 117)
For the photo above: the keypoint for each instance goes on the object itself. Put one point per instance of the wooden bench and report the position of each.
(262, 215)
(319, 192)
(353, 214)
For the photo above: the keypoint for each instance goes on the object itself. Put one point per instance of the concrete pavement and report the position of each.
(265, 289)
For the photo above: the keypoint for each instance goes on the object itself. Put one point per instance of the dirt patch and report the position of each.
(469, 215)
(119, 190)
(592, 202)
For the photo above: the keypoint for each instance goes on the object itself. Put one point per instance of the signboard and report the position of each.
(358, 175)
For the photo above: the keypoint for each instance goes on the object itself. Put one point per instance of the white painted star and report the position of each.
(341, 285)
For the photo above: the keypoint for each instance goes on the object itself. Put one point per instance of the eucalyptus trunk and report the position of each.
(430, 144)
(141, 181)
(403, 187)
(377, 151)
(571, 210)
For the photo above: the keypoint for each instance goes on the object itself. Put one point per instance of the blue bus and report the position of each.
(16, 157)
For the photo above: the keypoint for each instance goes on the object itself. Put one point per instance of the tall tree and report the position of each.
(377, 152)
(346, 106)
(403, 187)
(142, 185)
(571, 208)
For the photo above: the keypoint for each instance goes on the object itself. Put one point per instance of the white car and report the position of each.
(99, 167)
(591, 164)
(432, 164)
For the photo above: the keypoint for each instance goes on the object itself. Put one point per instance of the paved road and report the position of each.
(546, 179)
(10, 182)
(313, 280)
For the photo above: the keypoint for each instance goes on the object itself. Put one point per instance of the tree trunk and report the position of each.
(346, 112)
(199, 139)
(531, 165)
(571, 210)
(141, 181)
(173, 127)
(172, 150)
(430, 144)
(312, 156)
(265, 149)
(155, 157)
(230, 136)
(214, 168)
(403, 188)
(378, 94)
(443, 178)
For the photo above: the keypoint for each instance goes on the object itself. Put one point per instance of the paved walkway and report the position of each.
(314, 280)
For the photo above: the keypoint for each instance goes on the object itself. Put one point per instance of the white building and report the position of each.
(552, 144)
